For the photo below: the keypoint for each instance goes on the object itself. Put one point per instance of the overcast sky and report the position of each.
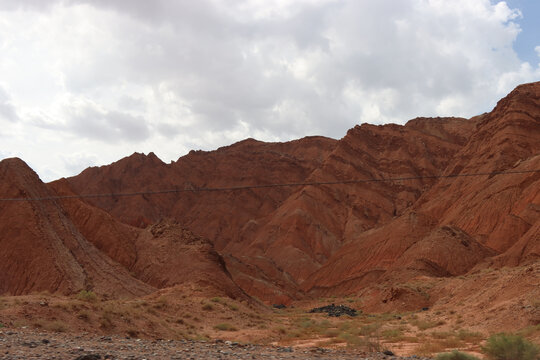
(86, 83)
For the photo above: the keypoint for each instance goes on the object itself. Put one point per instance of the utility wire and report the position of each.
(264, 186)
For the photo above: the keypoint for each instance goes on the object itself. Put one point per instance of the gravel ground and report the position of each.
(29, 344)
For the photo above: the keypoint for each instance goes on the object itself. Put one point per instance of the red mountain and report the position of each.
(43, 250)
(460, 221)
(416, 208)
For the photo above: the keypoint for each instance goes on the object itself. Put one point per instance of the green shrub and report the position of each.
(85, 295)
(510, 347)
(456, 355)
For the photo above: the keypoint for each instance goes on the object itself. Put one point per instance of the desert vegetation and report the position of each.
(510, 347)
(412, 332)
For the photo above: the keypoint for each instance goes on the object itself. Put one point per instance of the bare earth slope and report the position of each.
(162, 255)
(215, 215)
(42, 250)
(314, 222)
(66, 246)
(460, 223)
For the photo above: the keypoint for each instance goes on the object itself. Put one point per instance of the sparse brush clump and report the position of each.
(352, 340)
(429, 348)
(467, 335)
(225, 327)
(426, 324)
(57, 326)
(207, 307)
(106, 320)
(456, 355)
(529, 330)
(510, 347)
(50, 325)
(161, 303)
(87, 295)
(392, 334)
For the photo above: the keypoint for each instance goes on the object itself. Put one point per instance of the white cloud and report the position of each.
(7, 109)
(87, 120)
(77, 162)
(167, 76)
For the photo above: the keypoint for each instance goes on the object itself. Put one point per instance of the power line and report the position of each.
(264, 186)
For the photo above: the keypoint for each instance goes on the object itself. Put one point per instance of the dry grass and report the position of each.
(426, 324)
(438, 342)
(225, 327)
(430, 348)
(87, 295)
(106, 320)
(208, 307)
(529, 331)
(50, 325)
(393, 335)
(161, 304)
(469, 336)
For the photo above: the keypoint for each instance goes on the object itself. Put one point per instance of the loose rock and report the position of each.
(89, 347)
(335, 310)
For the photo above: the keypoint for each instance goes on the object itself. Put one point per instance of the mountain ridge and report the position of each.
(282, 244)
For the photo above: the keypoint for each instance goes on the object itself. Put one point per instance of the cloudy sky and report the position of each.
(87, 82)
